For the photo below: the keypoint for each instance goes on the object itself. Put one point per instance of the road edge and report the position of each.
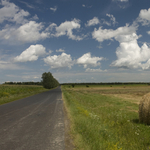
(68, 138)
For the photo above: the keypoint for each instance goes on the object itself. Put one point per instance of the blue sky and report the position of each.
(76, 40)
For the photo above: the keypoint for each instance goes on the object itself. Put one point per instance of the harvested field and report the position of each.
(106, 117)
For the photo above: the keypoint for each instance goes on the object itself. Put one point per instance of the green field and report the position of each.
(106, 117)
(10, 93)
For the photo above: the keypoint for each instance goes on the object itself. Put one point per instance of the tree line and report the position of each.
(106, 83)
(24, 83)
(48, 81)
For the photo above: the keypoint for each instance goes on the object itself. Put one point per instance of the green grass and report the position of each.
(104, 122)
(10, 93)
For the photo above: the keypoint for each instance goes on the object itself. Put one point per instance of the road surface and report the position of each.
(33, 123)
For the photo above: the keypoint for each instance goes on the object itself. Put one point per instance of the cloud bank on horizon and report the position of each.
(52, 36)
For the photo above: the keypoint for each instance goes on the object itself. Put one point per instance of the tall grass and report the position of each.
(101, 122)
(10, 93)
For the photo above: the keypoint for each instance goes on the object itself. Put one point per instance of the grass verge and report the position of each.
(104, 122)
(10, 93)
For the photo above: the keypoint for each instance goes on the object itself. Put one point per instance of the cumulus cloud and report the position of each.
(12, 13)
(53, 8)
(59, 61)
(33, 31)
(60, 50)
(130, 55)
(66, 28)
(31, 54)
(108, 34)
(22, 30)
(144, 17)
(93, 22)
(29, 32)
(87, 60)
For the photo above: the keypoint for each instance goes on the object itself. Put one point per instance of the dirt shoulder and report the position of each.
(68, 139)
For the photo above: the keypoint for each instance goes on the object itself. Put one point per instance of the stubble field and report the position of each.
(106, 117)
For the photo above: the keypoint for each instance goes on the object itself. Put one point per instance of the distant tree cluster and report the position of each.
(48, 81)
(23, 83)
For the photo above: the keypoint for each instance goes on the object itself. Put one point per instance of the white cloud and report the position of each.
(35, 17)
(112, 18)
(144, 17)
(7, 32)
(53, 8)
(108, 34)
(96, 21)
(11, 12)
(22, 30)
(130, 55)
(148, 32)
(93, 22)
(29, 32)
(51, 27)
(33, 31)
(60, 50)
(59, 61)
(31, 54)
(86, 60)
(66, 28)
(95, 70)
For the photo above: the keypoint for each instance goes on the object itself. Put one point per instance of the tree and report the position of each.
(49, 81)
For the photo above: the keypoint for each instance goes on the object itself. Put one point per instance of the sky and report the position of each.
(75, 40)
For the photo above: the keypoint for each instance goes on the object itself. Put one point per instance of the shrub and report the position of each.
(87, 86)
(144, 109)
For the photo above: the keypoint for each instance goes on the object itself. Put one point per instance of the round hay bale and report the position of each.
(144, 109)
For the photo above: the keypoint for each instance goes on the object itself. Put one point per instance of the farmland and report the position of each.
(106, 117)
(10, 93)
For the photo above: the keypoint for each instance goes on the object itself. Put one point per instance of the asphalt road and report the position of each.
(33, 123)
